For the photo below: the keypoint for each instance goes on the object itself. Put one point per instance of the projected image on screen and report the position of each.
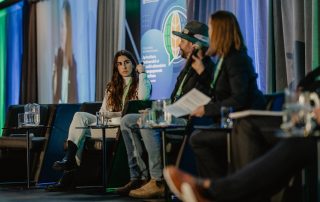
(159, 47)
(66, 46)
(65, 88)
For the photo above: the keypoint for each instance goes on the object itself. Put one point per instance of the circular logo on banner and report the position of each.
(175, 21)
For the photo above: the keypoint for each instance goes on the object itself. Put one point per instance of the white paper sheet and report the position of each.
(188, 103)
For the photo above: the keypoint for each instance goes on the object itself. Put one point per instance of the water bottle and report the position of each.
(32, 114)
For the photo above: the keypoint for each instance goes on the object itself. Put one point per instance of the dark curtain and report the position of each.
(110, 39)
(29, 80)
(293, 22)
(101, 58)
(282, 36)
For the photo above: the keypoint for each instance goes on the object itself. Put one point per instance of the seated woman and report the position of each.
(128, 82)
(234, 85)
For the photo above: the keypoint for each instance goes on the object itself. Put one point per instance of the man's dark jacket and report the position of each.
(193, 80)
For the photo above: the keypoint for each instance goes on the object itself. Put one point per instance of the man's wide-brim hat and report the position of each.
(195, 32)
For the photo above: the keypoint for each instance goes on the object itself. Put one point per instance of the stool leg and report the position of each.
(104, 164)
(28, 159)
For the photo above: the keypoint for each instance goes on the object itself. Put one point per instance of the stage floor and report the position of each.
(14, 194)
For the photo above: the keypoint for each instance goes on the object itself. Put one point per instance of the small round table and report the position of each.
(104, 149)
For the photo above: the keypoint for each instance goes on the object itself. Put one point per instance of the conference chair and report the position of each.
(54, 149)
(13, 145)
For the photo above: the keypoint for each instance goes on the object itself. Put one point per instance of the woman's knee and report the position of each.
(82, 117)
(78, 115)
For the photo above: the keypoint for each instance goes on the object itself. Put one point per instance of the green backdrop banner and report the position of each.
(2, 65)
(315, 35)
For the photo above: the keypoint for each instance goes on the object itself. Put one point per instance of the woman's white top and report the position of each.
(143, 90)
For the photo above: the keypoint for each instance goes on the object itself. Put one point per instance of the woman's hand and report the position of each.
(197, 63)
(199, 112)
(140, 68)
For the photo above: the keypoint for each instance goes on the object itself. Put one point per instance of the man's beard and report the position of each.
(183, 54)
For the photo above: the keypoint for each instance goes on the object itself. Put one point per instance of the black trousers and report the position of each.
(210, 150)
(266, 175)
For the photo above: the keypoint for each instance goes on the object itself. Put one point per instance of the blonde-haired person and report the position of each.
(234, 85)
(129, 82)
(64, 79)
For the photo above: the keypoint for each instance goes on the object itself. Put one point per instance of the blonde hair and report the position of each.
(68, 49)
(225, 34)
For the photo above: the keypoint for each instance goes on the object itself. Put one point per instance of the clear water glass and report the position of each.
(102, 119)
(226, 121)
(158, 115)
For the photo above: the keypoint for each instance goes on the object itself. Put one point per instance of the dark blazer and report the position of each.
(193, 80)
(236, 86)
(72, 82)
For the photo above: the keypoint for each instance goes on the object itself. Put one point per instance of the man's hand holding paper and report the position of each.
(188, 103)
(199, 112)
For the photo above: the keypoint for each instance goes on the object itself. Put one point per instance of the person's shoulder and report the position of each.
(237, 54)
(107, 89)
(109, 84)
(238, 61)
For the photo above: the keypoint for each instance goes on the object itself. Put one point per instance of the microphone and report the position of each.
(195, 51)
(197, 47)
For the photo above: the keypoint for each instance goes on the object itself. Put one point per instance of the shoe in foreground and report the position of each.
(133, 184)
(183, 185)
(153, 189)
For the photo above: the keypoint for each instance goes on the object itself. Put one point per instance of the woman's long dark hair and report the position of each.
(115, 87)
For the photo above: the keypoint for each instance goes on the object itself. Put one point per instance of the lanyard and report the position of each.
(125, 92)
(181, 85)
(216, 73)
